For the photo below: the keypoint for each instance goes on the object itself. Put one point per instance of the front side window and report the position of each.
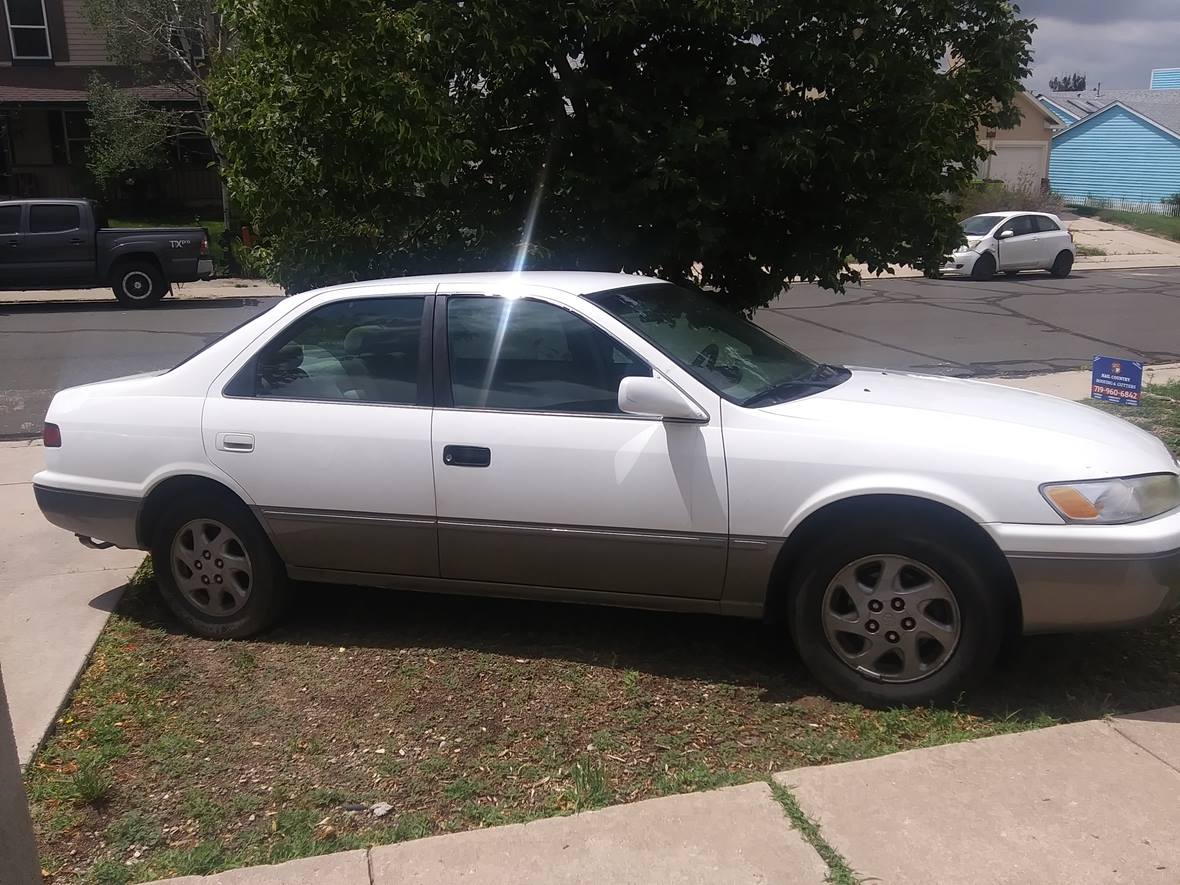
(27, 30)
(523, 355)
(50, 218)
(723, 351)
(364, 351)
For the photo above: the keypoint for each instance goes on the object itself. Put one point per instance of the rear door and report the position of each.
(59, 245)
(11, 241)
(327, 428)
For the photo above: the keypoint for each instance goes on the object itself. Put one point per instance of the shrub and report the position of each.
(995, 196)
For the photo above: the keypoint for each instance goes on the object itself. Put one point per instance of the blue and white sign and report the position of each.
(1113, 380)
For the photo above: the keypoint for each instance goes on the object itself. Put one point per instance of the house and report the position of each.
(1121, 148)
(48, 52)
(1020, 155)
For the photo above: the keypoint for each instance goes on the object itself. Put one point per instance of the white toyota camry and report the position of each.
(614, 439)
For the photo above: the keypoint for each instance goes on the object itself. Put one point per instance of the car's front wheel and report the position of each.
(984, 267)
(216, 569)
(892, 616)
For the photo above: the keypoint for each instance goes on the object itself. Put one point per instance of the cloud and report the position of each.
(1115, 44)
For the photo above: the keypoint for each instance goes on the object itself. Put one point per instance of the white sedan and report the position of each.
(613, 439)
(1009, 242)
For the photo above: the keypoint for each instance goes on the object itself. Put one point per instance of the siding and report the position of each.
(1165, 78)
(87, 46)
(1115, 155)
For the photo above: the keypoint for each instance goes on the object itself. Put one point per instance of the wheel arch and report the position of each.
(892, 506)
(172, 487)
(118, 261)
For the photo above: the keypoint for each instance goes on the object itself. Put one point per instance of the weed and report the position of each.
(589, 785)
(90, 784)
(839, 873)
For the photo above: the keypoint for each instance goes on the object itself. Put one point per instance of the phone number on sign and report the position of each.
(1102, 390)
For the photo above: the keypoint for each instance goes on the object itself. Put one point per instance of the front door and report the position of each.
(327, 428)
(540, 479)
(1021, 250)
(56, 248)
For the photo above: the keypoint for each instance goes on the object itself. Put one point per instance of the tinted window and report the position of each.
(9, 219)
(717, 346)
(529, 355)
(1045, 224)
(52, 218)
(361, 351)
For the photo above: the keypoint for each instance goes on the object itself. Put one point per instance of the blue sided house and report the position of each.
(1120, 148)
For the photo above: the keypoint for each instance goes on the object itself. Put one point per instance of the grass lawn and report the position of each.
(1167, 226)
(213, 224)
(183, 756)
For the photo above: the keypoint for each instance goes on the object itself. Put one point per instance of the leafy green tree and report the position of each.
(735, 143)
(172, 43)
(1068, 83)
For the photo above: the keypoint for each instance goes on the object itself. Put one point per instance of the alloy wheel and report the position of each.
(891, 618)
(211, 567)
(137, 285)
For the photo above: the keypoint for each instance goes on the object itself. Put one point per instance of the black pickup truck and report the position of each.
(65, 244)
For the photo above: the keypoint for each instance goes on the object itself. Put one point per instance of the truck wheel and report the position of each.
(138, 283)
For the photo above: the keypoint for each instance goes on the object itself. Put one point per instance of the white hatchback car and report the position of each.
(603, 438)
(1009, 242)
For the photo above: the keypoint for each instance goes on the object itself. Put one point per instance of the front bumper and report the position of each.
(959, 263)
(1089, 577)
(102, 517)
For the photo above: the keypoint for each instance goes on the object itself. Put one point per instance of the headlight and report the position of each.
(1115, 500)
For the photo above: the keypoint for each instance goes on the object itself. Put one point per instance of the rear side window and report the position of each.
(1045, 225)
(9, 219)
(363, 351)
(51, 218)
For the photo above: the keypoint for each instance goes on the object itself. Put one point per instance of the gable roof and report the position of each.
(1057, 109)
(1118, 104)
(1158, 106)
(1030, 101)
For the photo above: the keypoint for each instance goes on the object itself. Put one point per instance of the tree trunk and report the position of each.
(18, 847)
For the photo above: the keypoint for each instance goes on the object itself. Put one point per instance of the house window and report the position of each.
(28, 32)
(188, 42)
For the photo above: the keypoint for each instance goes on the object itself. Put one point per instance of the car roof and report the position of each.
(1008, 213)
(571, 282)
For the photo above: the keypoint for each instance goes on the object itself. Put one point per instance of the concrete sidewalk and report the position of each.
(55, 594)
(1076, 385)
(1088, 802)
(202, 289)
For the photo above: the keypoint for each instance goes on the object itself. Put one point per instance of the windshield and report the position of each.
(978, 225)
(720, 349)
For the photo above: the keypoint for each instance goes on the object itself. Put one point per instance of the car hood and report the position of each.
(1070, 440)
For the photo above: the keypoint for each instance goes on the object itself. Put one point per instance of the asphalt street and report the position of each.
(1030, 323)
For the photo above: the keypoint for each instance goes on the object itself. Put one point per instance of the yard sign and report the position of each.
(1113, 380)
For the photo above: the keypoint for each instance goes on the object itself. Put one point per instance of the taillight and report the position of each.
(204, 245)
(51, 436)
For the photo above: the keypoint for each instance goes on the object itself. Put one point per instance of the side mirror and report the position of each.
(1005, 234)
(655, 396)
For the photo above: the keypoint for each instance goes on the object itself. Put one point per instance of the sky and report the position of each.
(1113, 42)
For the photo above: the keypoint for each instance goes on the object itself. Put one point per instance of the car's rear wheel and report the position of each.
(984, 267)
(216, 569)
(1063, 264)
(892, 616)
(138, 283)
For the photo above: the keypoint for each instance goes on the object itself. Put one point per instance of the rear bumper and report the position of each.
(102, 517)
(204, 268)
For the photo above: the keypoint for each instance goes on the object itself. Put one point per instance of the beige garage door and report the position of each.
(1016, 164)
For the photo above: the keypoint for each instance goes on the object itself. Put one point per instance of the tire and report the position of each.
(984, 267)
(253, 589)
(138, 283)
(1062, 265)
(977, 610)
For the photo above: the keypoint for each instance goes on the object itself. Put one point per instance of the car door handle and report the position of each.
(467, 456)
(235, 442)
(14, 242)
(77, 242)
